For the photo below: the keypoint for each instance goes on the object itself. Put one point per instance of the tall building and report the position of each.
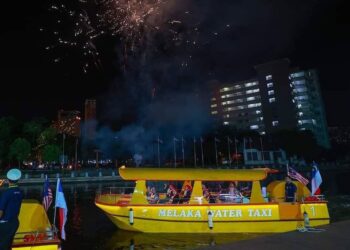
(278, 98)
(90, 119)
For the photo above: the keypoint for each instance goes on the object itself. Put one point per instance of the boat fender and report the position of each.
(131, 216)
(210, 220)
(306, 220)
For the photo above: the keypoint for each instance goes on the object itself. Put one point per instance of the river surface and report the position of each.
(89, 228)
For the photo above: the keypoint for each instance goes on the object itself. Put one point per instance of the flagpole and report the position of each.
(236, 152)
(174, 152)
(183, 151)
(262, 150)
(54, 213)
(216, 152)
(194, 152)
(229, 151)
(158, 153)
(250, 147)
(202, 152)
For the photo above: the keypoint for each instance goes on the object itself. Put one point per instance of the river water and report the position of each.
(89, 228)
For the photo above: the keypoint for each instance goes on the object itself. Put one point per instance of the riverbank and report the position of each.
(335, 235)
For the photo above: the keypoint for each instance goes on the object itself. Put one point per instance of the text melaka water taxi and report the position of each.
(35, 231)
(132, 211)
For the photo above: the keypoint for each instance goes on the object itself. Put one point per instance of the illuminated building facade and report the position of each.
(278, 98)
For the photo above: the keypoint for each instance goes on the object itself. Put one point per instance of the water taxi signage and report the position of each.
(241, 212)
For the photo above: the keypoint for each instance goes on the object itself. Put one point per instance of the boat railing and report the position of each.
(37, 237)
(114, 195)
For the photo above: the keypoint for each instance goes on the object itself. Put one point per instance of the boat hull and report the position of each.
(232, 218)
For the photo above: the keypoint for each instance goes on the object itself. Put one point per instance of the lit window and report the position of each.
(301, 113)
(299, 82)
(270, 85)
(271, 100)
(213, 105)
(297, 74)
(213, 99)
(227, 116)
(302, 97)
(250, 84)
(262, 132)
(274, 123)
(251, 91)
(270, 92)
(214, 112)
(261, 118)
(252, 98)
(254, 127)
(254, 105)
(237, 86)
(226, 89)
(299, 106)
(258, 111)
(226, 123)
(268, 77)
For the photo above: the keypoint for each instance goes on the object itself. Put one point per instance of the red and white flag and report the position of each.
(47, 194)
(292, 173)
(62, 208)
(316, 180)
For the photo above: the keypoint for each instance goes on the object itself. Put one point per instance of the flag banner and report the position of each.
(236, 141)
(194, 139)
(159, 140)
(201, 139)
(216, 139)
(229, 140)
(47, 194)
(292, 173)
(175, 139)
(182, 139)
(62, 208)
(316, 180)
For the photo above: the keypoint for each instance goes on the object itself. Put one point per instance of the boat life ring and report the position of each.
(31, 237)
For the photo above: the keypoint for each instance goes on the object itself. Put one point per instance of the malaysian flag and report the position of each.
(47, 194)
(292, 173)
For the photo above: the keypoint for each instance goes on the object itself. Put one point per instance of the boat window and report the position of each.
(227, 192)
(177, 192)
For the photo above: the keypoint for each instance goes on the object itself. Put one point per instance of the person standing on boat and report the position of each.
(290, 190)
(10, 205)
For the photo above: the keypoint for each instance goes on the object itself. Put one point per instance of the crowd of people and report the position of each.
(231, 194)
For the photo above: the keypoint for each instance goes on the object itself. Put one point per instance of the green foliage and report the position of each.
(48, 136)
(20, 150)
(33, 128)
(51, 153)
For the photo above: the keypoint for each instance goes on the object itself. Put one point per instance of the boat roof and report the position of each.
(195, 174)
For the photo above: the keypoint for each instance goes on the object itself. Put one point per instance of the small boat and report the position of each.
(35, 231)
(132, 210)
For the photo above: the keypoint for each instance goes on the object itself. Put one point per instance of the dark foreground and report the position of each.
(335, 236)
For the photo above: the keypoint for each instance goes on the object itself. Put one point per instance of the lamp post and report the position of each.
(194, 152)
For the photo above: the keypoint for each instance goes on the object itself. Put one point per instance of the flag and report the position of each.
(201, 140)
(62, 208)
(292, 173)
(229, 140)
(47, 194)
(216, 139)
(194, 139)
(159, 140)
(316, 180)
(175, 139)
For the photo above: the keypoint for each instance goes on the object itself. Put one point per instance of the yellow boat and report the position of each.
(35, 231)
(254, 213)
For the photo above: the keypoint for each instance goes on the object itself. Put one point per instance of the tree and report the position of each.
(20, 150)
(48, 136)
(51, 153)
(8, 131)
(33, 128)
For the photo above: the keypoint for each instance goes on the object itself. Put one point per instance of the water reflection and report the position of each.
(123, 240)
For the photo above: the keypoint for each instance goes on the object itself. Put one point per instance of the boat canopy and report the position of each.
(194, 174)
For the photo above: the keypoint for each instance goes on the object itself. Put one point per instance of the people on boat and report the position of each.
(10, 204)
(153, 197)
(172, 194)
(207, 195)
(234, 195)
(186, 194)
(290, 190)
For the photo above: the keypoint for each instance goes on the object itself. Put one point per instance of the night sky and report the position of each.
(230, 38)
